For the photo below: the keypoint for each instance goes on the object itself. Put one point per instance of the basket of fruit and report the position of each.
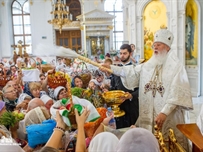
(10, 119)
(57, 79)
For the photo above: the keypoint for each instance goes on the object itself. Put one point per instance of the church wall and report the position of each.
(6, 38)
(42, 31)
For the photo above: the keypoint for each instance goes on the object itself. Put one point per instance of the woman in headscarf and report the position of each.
(33, 89)
(60, 93)
(104, 141)
(138, 140)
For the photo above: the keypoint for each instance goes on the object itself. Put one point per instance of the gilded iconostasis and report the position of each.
(155, 18)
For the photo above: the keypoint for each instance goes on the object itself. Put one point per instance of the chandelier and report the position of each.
(61, 15)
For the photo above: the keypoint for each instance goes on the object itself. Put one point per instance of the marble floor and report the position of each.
(197, 104)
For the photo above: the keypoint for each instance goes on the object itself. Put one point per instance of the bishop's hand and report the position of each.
(160, 120)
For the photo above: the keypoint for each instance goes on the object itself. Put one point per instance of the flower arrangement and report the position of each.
(148, 42)
(58, 79)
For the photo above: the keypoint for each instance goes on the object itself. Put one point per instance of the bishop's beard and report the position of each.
(158, 59)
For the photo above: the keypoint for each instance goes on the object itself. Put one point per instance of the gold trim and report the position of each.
(81, 28)
(110, 27)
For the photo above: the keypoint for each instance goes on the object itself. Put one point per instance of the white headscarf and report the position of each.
(138, 140)
(57, 90)
(45, 98)
(103, 142)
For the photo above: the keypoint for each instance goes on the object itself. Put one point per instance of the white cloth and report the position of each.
(104, 142)
(176, 98)
(85, 103)
(31, 75)
(200, 120)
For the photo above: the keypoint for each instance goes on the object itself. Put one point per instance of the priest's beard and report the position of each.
(158, 59)
(125, 60)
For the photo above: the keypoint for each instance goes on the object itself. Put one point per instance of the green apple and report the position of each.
(21, 116)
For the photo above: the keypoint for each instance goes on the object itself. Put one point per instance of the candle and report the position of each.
(67, 8)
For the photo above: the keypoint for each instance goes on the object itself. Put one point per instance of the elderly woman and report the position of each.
(33, 89)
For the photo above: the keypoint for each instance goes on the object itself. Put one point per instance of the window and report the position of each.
(21, 23)
(114, 7)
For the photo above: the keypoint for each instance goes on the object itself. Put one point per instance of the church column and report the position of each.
(132, 24)
(125, 21)
(174, 24)
(82, 38)
(181, 36)
(106, 45)
(111, 37)
(88, 46)
(140, 40)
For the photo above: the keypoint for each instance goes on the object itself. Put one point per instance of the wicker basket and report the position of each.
(46, 67)
(54, 82)
(3, 80)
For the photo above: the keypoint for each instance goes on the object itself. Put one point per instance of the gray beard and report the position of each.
(158, 59)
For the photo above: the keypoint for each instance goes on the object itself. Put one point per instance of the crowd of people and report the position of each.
(157, 93)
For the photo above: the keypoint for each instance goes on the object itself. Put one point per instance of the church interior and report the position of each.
(94, 27)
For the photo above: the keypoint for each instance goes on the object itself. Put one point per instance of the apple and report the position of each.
(15, 113)
(21, 116)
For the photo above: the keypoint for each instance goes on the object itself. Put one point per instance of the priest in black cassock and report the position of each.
(130, 104)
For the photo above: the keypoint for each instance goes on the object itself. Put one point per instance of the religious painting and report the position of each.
(154, 19)
(191, 33)
(97, 45)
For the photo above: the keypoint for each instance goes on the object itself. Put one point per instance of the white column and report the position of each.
(88, 47)
(111, 39)
(140, 40)
(106, 45)
(181, 36)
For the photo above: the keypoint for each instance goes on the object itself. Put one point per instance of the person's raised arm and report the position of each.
(81, 145)
(55, 139)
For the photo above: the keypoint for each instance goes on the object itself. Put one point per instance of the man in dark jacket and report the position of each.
(130, 105)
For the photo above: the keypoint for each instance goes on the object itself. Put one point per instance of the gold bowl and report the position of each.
(114, 99)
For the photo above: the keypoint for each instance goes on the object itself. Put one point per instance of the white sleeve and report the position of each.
(130, 75)
(168, 108)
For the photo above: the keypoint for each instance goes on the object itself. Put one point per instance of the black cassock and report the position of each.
(131, 107)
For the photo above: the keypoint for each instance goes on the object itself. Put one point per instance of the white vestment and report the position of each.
(176, 98)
